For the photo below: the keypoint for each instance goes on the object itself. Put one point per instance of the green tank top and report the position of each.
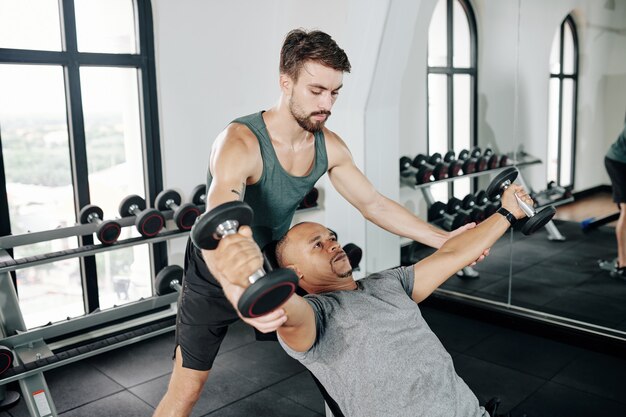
(277, 194)
(617, 151)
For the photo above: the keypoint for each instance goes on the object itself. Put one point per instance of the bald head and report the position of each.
(312, 250)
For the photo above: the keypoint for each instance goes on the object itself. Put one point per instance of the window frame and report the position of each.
(450, 71)
(72, 60)
(561, 76)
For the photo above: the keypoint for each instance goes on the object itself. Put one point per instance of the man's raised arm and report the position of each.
(458, 251)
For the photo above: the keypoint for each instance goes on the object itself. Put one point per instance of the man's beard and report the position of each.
(305, 121)
(340, 274)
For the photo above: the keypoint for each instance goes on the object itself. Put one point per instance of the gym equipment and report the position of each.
(453, 168)
(422, 175)
(267, 290)
(149, 222)
(438, 213)
(107, 231)
(493, 161)
(536, 220)
(466, 206)
(592, 223)
(469, 163)
(168, 280)
(310, 199)
(7, 398)
(354, 254)
(185, 214)
(481, 161)
(439, 170)
(198, 195)
(488, 206)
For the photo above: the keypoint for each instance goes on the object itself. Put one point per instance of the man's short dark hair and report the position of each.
(301, 46)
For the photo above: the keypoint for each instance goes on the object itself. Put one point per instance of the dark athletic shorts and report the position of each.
(204, 313)
(617, 173)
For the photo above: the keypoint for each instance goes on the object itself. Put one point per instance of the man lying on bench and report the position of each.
(366, 340)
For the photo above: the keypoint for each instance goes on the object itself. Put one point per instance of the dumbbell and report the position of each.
(439, 170)
(169, 279)
(185, 214)
(7, 398)
(493, 161)
(421, 175)
(267, 290)
(198, 195)
(354, 254)
(107, 231)
(488, 206)
(454, 167)
(466, 206)
(556, 190)
(438, 213)
(310, 199)
(468, 165)
(149, 222)
(481, 161)
(536, 219)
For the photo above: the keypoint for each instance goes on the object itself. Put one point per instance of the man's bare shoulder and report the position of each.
(238, 137)
(336, 148)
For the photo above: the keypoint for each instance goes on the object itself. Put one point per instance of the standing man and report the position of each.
(270, 160)
(615, 163)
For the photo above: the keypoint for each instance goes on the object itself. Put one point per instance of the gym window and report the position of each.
(562, 104)
(452, 56)
(78, 126)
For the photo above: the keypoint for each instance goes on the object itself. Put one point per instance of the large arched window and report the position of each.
(562, 104)
(452, 56)
(78, 126)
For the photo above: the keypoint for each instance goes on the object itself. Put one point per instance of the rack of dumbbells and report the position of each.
(423, 171)
(27, 353)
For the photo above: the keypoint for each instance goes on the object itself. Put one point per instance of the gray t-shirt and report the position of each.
(376, 356)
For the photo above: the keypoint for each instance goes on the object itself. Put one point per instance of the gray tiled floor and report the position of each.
(530, 374)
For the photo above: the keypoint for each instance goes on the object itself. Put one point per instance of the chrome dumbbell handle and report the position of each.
(230, 227)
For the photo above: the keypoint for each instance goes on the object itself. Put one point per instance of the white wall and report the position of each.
(219, 60)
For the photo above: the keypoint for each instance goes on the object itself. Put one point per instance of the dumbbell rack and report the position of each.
(51, 346)
(553, 231)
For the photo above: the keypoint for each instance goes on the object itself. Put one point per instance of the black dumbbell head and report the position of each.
(268, 293)
(495, 188)
(203, 232)
(435, 158)
(419, 160)
(464, 154)
(354, 254)
(198, 195)
(108, 232)
(88, 210)
(453, 206)
(185, 216)
(150, 222)
(160, 202)
(449, 156)
(405, 163)
(539, 220)
(6, 359)
(310, 199)
(128, 202)
(171, 274)
(468, 202)
(460, 219)
(436, 211)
